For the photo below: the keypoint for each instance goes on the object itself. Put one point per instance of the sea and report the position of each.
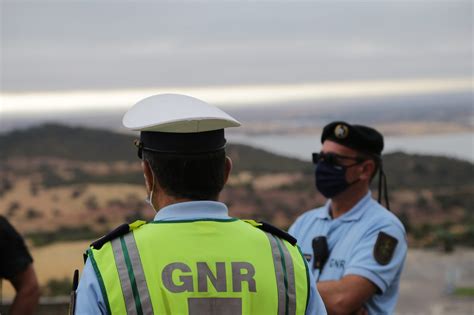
(455, 145)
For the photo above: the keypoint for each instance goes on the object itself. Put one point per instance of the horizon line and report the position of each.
(236, 96)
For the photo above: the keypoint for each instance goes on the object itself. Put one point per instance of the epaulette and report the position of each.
(117, 232)
(267, 227)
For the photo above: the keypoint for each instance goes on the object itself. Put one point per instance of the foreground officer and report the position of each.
(356, 247)
(16, 265)
(192, 258)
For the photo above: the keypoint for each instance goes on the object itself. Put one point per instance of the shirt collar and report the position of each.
(354, 214)
(193, 210)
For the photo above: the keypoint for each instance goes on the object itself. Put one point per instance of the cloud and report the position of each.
(64, 45)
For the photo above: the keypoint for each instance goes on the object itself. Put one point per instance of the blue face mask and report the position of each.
(331, 178)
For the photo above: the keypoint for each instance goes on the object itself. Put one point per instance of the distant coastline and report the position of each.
(450, 144)
(404, 128)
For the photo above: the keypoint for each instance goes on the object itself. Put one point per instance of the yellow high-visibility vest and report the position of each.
(201, 267)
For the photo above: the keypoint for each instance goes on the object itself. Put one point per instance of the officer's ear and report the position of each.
(148, 174)
(368, 168)
(227, 168)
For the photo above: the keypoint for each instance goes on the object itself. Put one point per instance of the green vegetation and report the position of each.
(412, 171)
(462, 199)
(258, 161)
(63, 234)
(464, 292)
(32, 214)
(51, 179)
(438, 188)
(72, 143)
(446, 235)
(57, 287)
(84, 144)
(5, 185)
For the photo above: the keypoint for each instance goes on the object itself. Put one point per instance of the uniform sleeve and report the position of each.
(382, 270)
(295, 228)
(315, 303)
(15, 255)
(89, 299)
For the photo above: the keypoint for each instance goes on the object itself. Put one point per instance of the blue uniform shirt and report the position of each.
(89, 297)
(351, 240)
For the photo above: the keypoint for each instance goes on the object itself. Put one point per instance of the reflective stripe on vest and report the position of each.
(132, 278)
(285, 276)
(147, 275)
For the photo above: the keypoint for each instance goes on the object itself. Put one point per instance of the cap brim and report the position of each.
(178, 114)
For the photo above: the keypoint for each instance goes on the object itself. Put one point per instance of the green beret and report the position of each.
(357, 137)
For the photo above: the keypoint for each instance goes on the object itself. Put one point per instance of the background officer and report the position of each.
(16, 265)
(192, 258)
(356, 247)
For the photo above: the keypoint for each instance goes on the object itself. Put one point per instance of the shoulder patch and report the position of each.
(117, 232)
(267, 227)
(384, 248)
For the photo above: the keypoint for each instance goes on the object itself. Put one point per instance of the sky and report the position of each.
(79, 55)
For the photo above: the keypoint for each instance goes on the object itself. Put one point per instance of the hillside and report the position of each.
(96, 145)
(60, 182)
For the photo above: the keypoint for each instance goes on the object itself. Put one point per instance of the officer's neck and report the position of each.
(165, 200)
(345, 201)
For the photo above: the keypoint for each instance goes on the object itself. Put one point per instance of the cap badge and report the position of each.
(341, 131)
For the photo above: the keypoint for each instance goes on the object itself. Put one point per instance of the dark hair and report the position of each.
(191, 176)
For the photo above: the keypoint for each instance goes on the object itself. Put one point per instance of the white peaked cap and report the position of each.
(176, 113)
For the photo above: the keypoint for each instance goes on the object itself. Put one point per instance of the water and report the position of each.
(458, 145)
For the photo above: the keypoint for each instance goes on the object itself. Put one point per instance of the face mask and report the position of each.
(331, 179)
(149, 199)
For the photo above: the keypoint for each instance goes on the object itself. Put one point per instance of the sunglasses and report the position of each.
(335, 159)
